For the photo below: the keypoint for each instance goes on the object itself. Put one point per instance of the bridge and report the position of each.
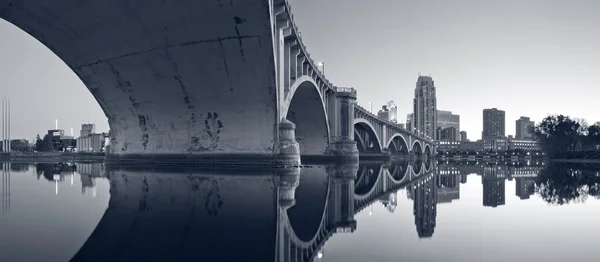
(212, 82)
(287, 215)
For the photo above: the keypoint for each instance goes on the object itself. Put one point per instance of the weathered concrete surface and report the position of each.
(173, 77)
(165, 216)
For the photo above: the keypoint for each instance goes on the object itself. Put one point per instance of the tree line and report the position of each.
(561, 136)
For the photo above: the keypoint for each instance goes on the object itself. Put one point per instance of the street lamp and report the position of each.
(322, 65)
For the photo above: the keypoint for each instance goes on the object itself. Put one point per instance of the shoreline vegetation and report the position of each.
(565, 139)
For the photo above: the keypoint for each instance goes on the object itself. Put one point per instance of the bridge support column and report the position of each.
(341, 123)
(341, 199)
(289, 149)
(289, 179)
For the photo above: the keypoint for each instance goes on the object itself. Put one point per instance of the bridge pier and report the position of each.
(341, 122)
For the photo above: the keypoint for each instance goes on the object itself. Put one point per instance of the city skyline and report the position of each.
(482, 62)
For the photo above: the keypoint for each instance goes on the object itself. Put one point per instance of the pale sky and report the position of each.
(529, 58)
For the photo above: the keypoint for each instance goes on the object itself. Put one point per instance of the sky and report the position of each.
(528, 58)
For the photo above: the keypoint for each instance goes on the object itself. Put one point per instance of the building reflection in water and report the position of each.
(177, 214)
(65, 172)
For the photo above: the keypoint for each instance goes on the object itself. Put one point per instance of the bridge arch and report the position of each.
(309, 210)
(397, 144)
(304, 107)
(398, 171)
(417, 148)
(366, 137)
(367, 177)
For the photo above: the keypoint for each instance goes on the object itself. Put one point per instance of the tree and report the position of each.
(38, 145)
(20, 146)
(44, 145)
(558, 134)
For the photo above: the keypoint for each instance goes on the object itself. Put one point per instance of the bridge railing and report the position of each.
(298, 36)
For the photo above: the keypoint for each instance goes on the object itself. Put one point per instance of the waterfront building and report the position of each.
(493, 123)
(523, 125)
(495, 144)
(523, 144)
(463, 136)
(89, 141)
(425, 107)
(445, 119)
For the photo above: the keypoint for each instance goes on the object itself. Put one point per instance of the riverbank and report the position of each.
(51, 157)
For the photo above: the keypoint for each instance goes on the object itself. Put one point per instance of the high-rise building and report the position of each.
(425, 107)
(493, 123)
(384, 113)
(448, 134)
(446, 119)
(393, 111)
(409, 121)
(463, 136)
(522, 128)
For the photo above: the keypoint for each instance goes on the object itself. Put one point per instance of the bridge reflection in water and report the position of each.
(281, 215)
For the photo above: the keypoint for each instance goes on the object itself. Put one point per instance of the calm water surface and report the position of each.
(441, 211)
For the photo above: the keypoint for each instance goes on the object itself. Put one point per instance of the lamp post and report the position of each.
(322, 65)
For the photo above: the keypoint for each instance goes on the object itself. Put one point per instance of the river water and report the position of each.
(440, 211)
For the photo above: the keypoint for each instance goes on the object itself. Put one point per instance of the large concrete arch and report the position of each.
(400, 137)
(418, 149)
(308, 212)
(367, 126)
(304, 107)
(175, 77)
(427, 151)
(367, 177)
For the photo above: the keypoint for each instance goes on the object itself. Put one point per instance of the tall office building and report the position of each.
(522, 126)
(409, 121)
(463, 136)
(493, 123)
(446, 119)
(425, 107)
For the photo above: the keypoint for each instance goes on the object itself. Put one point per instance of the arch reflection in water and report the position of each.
(286, 214)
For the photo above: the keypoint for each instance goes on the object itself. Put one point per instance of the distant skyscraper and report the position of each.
(463, 136)
(493, 123)
(393, 111)
(425, 107)
(384, 113)
(522, 125)
(446, 119)
(409, 121)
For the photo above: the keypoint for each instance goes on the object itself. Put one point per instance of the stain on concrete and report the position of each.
(225, 66)
(145, 141)
(142, 122)
(134, 102)
(121, 83)
(208, 139)
(186, 95)
(213, 125)
(239, 21)
(124, 148)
